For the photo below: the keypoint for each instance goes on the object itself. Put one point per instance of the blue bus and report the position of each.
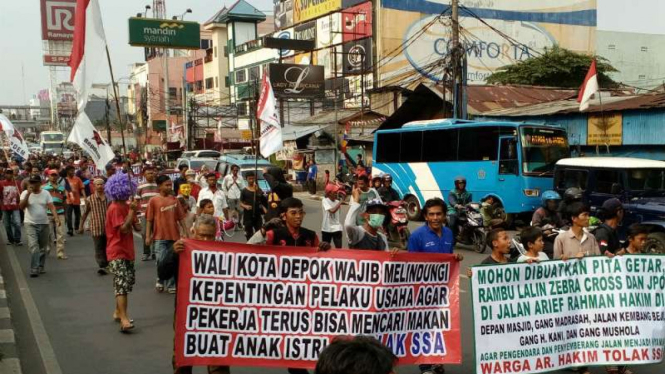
(510, 160)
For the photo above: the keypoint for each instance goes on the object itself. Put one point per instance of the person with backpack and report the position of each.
(606, 234)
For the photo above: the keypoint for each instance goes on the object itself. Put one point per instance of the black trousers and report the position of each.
(100, 251)
(251, 223)
(73, 224)
(332, 237)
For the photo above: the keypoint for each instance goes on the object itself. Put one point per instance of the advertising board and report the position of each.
(357, 56)
(329, 30)
(304, 10)
(297, 81)
(283, 14)
(146, 32)
(58, 19)
(357, 22)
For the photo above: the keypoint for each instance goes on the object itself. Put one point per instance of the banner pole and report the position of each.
(117, 102)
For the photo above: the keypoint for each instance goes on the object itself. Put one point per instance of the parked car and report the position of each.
(207, 153)
(195, 163)
(246, 163)
(638, 183)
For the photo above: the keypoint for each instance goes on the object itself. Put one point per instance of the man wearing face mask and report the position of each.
(367, 236)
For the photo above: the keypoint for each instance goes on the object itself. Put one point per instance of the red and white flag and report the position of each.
(16, 141)
(589, 87)
(271, 131)
(88, 48)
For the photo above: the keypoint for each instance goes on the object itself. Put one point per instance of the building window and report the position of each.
(644, 49)
(209, 83)
(173, 93)
(611, 47)
(216, 82)
(190, 87)
(226, 51)
(227, 82)
(215, 49)
(199, 86)
(241, 76)
(242, 109)
(254, 74)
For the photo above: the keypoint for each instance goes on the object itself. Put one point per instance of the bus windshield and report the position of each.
(53, 146)
(53, 137)
(541, 149)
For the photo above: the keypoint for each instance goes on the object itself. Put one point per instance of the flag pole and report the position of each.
(117, 102)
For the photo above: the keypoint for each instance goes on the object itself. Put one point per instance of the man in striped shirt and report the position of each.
(95, 207)
(58, 194)
(144, 193)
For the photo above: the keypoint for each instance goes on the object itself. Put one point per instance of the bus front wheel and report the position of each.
(413, 210)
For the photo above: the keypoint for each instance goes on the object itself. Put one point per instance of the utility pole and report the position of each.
(455, 56)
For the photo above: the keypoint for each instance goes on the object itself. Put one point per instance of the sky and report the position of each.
(22, 74)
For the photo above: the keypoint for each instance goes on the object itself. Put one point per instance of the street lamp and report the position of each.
(182, 16)
(144, 14)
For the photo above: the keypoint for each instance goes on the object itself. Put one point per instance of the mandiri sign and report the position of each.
(297, 81)
(146, 32)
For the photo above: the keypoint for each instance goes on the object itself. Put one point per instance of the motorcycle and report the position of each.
(344, 182)
(397, 229)
(471, 229)
(549, 234)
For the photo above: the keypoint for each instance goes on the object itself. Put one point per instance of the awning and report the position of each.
(290, 132)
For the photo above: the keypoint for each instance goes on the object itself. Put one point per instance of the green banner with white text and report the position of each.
(552, 315)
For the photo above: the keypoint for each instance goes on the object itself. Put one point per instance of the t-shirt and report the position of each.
(35, 212)
(313, 170)
(74, 191)
(607, 238)
(425, 240)
(491, 261)
(145, 192)
(164, 213)
(10, 191)
(58, 195)
(330, 220)
(542, 256)
(247, 197)
(118, 245)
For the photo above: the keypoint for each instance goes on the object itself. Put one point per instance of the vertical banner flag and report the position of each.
(271, 131)
(553, 315)
(16, 141)
(85, 135)
(589, 87)
(248, 305)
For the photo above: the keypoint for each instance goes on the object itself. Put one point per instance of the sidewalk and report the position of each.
(9, 361)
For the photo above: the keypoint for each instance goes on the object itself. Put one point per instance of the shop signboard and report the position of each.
(58, 19)
(357, 22)
(297, 81)
(147, 32)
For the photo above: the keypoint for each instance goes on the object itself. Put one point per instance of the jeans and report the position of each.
(332, 237)
(162, 250)
(147, 249)
(12, 220)
(38, 236)
(76, 210)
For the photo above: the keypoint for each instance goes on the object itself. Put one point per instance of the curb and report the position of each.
(9, 363)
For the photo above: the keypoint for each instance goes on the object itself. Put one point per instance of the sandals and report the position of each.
(126, 329)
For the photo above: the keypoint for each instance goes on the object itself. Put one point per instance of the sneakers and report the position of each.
(145, 257)
(34, 273)
(62, 257)
(159, 287)
(171, 290)
(41, 270)
(19, 244)
(153, 256)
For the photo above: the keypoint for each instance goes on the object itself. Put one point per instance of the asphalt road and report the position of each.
(75, 305)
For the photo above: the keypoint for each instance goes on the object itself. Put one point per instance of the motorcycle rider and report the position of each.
(548, 213)
(606, 234)
(488, 211)
(457, 201)
(570, 196)
(387, 192)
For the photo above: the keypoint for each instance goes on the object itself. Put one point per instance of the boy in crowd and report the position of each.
(165, 225)
(499, 241)
(331, 228)
(356, 355)
(292, 234)
(36, 201)
(576, 242)
(637, 237)
(120, 219)
(216, 195)
(532, 240)
(181, 179)
(144, 193)
(96, 207)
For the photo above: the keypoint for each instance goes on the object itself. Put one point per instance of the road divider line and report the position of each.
(49, 359)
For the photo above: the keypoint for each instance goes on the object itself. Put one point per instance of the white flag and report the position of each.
(90, 140)
(16, 141)
(589, 87)
(271, 131)
(176, 134)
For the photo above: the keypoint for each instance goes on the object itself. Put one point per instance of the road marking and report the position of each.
(10, 366)
(49, 359)
(4, 313)
(7, 336)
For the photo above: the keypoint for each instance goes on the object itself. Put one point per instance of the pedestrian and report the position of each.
(607, 234)
(312, 173)
(84, 174)
(204, 230)
(10, 190)
(35, 202)
(57, 232)
(33, 171)
(188, 204)
(576, 242)
(232, 185)
(499, 241)
(369, 235)
(253, 204)
(365, 194)
(191, 179)
(181, 179)
(110, 170)
(331, 227)
(279, 190)
(637, 237)
(433, 237)
(216, 195)
(96, 207)
(165, 220)
(75, 190)
(532, 241)
(146, 191)
(356, 355)
(120, 220)
(201, 176)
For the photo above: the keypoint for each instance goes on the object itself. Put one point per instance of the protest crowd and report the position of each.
(47, 199)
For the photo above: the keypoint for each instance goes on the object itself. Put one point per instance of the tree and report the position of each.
(556, 67)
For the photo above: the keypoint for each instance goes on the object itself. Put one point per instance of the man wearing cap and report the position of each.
(606, 234)
(36, 201)
(57, 232)
(367, 236)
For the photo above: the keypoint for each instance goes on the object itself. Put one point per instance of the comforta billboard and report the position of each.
(596, 311)
(246, 305)
(528, 31)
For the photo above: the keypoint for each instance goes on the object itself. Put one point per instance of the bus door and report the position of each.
(508, 164)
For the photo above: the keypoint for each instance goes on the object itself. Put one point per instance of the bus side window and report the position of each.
(508, 163)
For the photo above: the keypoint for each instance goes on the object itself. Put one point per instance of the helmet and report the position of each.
(550, 195)
(572, 194)
(387, 177)
(459, 178)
